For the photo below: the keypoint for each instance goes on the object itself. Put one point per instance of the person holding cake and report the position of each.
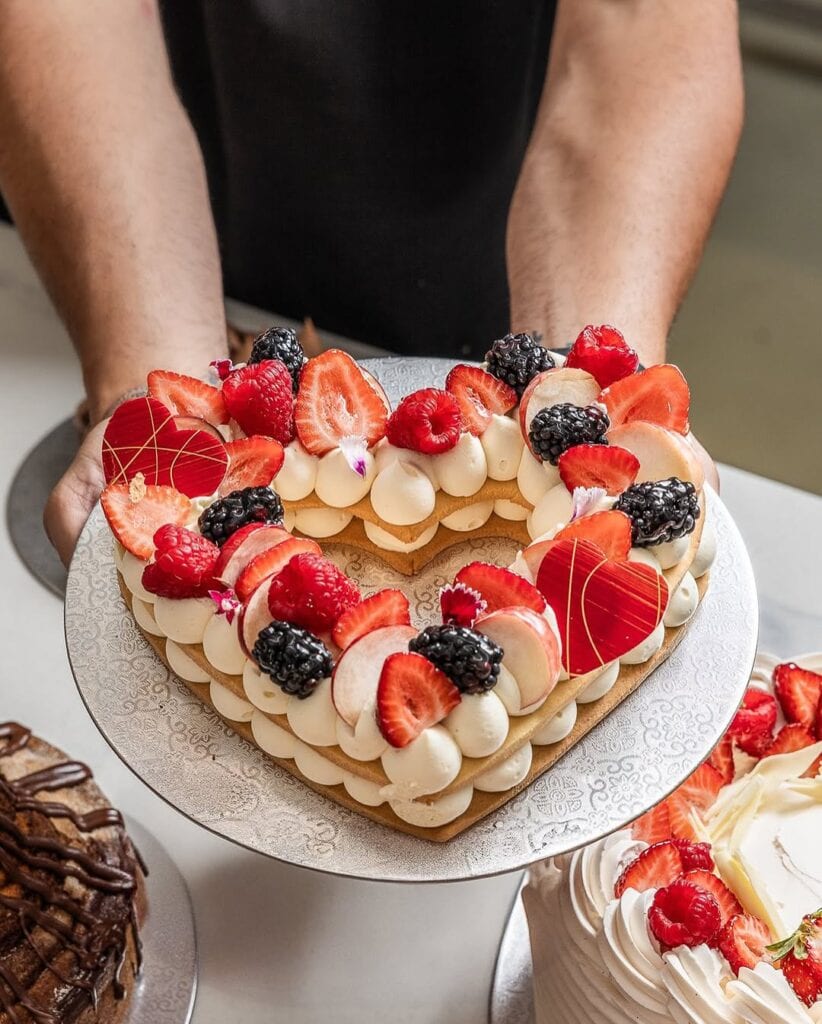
(422, 177)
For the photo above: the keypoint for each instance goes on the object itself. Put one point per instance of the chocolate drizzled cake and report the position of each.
(71, 891)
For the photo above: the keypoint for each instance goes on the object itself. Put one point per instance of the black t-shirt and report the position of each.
(362, 154)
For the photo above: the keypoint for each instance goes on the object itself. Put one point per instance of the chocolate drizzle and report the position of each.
(39, 877)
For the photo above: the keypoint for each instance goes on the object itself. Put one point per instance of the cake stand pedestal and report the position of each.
(165, 991)
(512, 995)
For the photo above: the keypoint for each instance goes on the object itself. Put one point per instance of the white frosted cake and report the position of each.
(715, 922)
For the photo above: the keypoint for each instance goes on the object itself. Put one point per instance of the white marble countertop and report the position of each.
(278, 943)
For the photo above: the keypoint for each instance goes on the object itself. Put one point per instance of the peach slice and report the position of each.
(553, 387)
(660, 451)
(530, 650)
(357, 673)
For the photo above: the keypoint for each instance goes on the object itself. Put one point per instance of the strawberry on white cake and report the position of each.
(708, 910)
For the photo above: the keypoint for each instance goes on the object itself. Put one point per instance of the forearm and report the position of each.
(105, 181)
(633, 144)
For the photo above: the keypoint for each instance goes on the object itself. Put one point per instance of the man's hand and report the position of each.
(75, 495)
(103, 175)
(630, 153)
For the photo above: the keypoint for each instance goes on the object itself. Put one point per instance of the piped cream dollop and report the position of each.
(388, 542)
(479, 724)
(321, 522)
(402, 494)
(472, 517)
(428, 764)
(462, 470)
(184, 619)
(298, 473)
(534, 478)
(337, 484)
(502, 443)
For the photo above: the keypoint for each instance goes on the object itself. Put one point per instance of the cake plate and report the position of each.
(188, 756)
(165, 991)
(33, 482)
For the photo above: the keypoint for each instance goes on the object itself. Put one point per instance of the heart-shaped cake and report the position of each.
(544, 523)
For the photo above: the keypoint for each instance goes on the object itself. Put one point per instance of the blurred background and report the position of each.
(749, 336)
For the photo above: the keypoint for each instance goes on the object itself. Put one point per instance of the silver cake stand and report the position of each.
(36, 476)
(165, 991)
(190, 758)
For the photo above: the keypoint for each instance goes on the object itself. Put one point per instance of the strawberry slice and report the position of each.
(654, 868)
(479, 396)
(799, 691)
(385, 608)
(499, 587)
(188, 396)
(697, 792)
(818, 727)
(722, 758)
(659, 395)
(653, 826)
(752, 726)
(610, 531)
(252, 462)
(336, 401)
(603, 352)
(598, 465)
(743, 941)
(791, 737)
(270, 561)
(136, 511)
(729, 905)
(411, 696)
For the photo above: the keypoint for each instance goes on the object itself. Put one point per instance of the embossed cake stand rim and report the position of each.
(629, 762)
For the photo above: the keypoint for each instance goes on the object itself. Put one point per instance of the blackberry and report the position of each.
(559, 427)
(295, 658)
(517, 359)
(469, 659)
(250, 505)
(280, 343)
(660, 510)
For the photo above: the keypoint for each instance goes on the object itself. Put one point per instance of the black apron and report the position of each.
(361, 155)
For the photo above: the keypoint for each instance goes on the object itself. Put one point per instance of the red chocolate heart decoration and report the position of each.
(141, 437)
(604, 608)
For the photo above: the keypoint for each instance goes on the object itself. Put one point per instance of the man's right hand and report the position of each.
(76, 493)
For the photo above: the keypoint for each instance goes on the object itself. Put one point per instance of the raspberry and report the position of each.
(427, 421)
(602, 352)
(310, 591)
(695, 856)
(683, 914)
(260, 399)
(183, 564)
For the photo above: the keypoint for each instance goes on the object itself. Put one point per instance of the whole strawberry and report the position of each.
(310, 591)
(603, 353)
(260, 399)
(800, 958)
(183, 564)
